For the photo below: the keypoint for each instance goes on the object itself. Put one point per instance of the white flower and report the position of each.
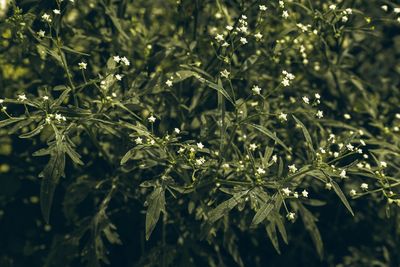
(200, 161)
(176, 130)
(328, 186)
(256, 90)
(118, 77)
(304, 193)
(286, 191)
(291, 216)
(384, 7)
(306, 100)
(219, 38)
(225, 73)
(317, 96)
(383, 164)
(125, 61)
(319, 114)
(292, 168)
(258, 35)
(152, 119)
(396, 10)
(243, 40)
(1, 101)
(345, 19)
(22, 97)
(364, 186)
(253, 147)
(347, 116)
(200, 145)
(350, 147)
(82, 65)
(46, 17)
(296, 195)
(262, 7)
(285, 14)
(281, 4)
(45, 98)
(41, 33)
(275, 158)
(229, 27)
(332, 7)
(282, 116)
(57, 11)
(342, 174)
(353, 192)
(181, 150)
(260, 171)
(285, 82)
(335, 154)
(349, 11)
(117, 59)
(169, 83)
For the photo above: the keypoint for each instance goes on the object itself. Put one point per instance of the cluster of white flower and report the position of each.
(57, 117)
(285, 13)
(345, 13)
(123, 60)
(287, 78)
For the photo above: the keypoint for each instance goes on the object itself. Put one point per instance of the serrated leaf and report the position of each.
(268, 133)
(51, 175)
(264, 211)
(226, 206)
(156, 203)
(342, 197)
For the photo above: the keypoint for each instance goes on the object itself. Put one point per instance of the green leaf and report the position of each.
(73, 154)
(51, 175)
(281, 227)
(226, 206)
(9, 121)
(309, 223)
(342, 197)
(268, 133)
(32, 133)
(218, 87)
(128, 155)
(305, 133)
(61, 98)
(271, 231)
(264, 211)
(156, 203)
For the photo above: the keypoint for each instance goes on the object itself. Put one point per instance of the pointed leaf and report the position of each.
(342, 197)
(156, 203)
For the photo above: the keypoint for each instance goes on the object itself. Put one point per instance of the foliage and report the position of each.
(173, 133)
